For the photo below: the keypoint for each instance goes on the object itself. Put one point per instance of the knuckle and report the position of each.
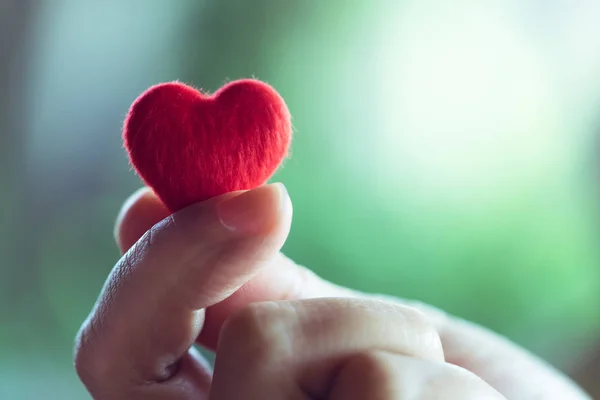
(420, 338)
(261, 332)
(94, 360)
(430, 342)
(89, 360)
(418, 320)
(81, 357)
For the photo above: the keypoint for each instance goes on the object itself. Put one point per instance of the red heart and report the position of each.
(190, 146)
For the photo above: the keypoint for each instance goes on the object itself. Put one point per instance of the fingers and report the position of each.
(280, 279)
(281, 350)
(465, 344)
(382, 375)
(512, 370)
(136, 340)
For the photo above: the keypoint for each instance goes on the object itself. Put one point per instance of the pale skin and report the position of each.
(213, 274)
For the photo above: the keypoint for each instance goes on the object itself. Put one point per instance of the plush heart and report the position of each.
(189, 146)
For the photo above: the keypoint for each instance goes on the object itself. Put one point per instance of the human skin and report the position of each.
(586, 372)
(213, 274)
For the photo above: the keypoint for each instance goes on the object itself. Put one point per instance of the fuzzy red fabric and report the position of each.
(189, 146)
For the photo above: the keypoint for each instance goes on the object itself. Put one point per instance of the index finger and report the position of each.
(150, 311)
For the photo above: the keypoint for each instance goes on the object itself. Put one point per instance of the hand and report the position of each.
(192, 277)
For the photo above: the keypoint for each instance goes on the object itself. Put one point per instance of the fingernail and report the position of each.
(253, 210)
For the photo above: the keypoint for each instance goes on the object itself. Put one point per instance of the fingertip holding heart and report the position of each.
(190, 146)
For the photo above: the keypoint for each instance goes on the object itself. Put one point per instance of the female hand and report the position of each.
(213, 274)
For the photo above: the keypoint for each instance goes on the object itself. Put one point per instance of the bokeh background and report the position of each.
(444, 150)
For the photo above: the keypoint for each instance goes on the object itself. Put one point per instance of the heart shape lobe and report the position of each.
(190, 146)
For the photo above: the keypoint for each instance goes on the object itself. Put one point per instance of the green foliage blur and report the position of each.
(443, 151)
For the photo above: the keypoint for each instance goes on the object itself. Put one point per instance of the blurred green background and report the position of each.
(444, 150)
